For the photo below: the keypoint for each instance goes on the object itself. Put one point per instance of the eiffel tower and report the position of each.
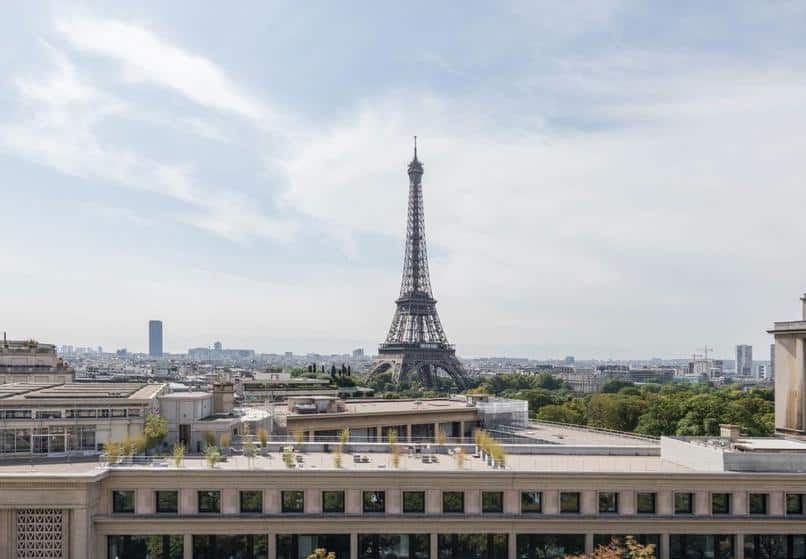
(416, 345)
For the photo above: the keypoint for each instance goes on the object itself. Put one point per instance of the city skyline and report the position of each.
(634, 186)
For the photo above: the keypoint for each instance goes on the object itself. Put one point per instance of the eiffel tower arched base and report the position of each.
(407, 364)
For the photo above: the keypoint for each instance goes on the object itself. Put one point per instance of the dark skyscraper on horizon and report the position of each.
(155, 338)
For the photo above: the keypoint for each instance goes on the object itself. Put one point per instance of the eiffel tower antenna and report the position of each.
(416, 344)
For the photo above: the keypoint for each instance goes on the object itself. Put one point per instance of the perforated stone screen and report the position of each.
(40, 533)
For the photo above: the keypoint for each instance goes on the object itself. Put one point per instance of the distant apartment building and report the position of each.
(31, 361)
(358, 353)
(744, 361)
(155, 338)
(771, 374)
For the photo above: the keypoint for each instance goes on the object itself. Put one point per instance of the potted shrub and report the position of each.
(178, 454)
(224, 441)
(263, 437)
(212, 455)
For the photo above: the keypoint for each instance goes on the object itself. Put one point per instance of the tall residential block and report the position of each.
(155, 338)
(744, 360)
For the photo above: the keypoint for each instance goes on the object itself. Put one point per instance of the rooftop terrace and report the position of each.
(315, 461)
(28, 392)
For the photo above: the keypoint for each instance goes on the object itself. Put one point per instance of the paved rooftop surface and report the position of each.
(79, 391)
(570, 435)
(319, 461)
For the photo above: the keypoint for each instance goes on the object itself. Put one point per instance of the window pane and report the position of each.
(492, 501)
(167, 502)
(758, 503)
(251, 502)
(695, 546)
(608, 502)
(397, 546)
(145, 547)
(293, 546)
(414, 501)
(549, 546)
(293, 501)
(123, 501)
(646, 503)
(720, 503)
(531, 502)
(683, 503)
(472, 546)
(238, 546)
(794, 503)
(569, 502)
(332, 501)
(209, 502)
(453, 502)
(374, 501)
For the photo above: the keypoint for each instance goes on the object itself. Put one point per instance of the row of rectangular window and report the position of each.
(449, 546)
(453, 502)
(71, 413)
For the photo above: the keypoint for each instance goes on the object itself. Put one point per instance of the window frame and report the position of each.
(690, 509)
(611, 502)
(800, 501)
(539, 502)
(729, 499)
(765, 500)
(257, 492)
(212, 494)
(405, 508)
(343, 502)
(638, 502)
(453, 494)
(368, 508)
(286, 495)
(578, 497)
(499, 509)
(157, 502)
(115, 501)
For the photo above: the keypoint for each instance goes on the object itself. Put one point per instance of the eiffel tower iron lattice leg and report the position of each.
(416, 345)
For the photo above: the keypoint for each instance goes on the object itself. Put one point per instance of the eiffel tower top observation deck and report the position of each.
(416, 342)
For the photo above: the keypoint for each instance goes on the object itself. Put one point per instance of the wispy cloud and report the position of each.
(144, 57)
(58, 128)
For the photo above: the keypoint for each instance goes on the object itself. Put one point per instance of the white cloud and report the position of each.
(144, 57)
(58, 129)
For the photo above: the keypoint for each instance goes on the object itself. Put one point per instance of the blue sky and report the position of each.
(604, 179)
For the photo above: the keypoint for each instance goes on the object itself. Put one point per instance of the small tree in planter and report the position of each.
(212, 455)
(209, 438)
(154, 430)
(299, 438)
(249, 451)
(460, 458)
(263, 437)
(224, 441)
(321, 554)
(288, 457)
(337, 457)
(393, 448)
(113, 451)
(178, 454)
